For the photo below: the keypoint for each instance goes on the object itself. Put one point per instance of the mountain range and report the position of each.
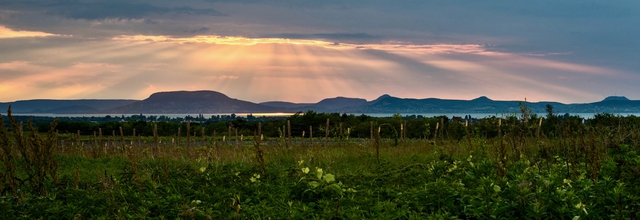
(192, 102)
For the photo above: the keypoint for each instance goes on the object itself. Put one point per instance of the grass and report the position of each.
(587, 175)
(412, 181)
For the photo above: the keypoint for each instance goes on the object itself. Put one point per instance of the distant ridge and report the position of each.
(52, 106)
(615, 98)
(340, 103)
(280, 104)
(193, 102)
(482, 99)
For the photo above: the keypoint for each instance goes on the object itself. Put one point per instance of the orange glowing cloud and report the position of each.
(9, 33)
(244, 41)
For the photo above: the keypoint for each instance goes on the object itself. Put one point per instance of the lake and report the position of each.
(285, 114)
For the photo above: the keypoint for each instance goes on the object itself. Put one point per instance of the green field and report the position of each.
(512, 168)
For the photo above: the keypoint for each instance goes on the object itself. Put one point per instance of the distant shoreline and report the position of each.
(287, 114)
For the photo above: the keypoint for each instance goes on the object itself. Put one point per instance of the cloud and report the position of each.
(97, 10)
(563, 50)
(8, 33)
(296, 70)
(327, 36)
(200, 30)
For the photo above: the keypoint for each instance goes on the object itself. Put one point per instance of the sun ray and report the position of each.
(261, 69)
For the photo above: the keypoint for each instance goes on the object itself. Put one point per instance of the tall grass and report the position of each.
(520, 173)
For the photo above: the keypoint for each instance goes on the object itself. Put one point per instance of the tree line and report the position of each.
(352, 126)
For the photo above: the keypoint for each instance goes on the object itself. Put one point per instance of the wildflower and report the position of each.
(582, 207)
(319, 172)
(255, 178)
(305, 170)
(496, 188)
(568, 182)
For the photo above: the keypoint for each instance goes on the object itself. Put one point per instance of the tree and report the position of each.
(549, 127)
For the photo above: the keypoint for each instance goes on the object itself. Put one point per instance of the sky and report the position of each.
(572, 51)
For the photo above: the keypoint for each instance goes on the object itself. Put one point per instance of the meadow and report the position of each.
(322, 167)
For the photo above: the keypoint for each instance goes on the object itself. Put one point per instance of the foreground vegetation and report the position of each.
(511, 168)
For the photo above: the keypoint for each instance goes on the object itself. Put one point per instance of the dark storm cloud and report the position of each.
(103, 10)
(95, 11)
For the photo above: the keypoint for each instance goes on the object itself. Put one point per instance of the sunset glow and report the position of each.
(8, 33)
(290, 56)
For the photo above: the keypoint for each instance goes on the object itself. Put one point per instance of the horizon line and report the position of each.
(383, 95)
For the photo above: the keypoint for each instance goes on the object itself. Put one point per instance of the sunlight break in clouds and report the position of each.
(244, 41)
(8, 33)
(295, 70)
(266, 69)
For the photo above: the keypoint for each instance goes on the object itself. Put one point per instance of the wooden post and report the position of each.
(500, 128)
(202, 133)
(179, 133)
(311, 135)
(289, 132)
(441, 128)
(237, 144)
(100, 138)
(188, 134)
(229, 134)
(77, 138)
(405, 131)
(155, 138)
(326, 135)
(340, 131)
(134, 136)
(302, 139)
(96, 147)
(377, 144)
(402, 132)
(215, 142)
(122, 139)
(348, 133)
(257, 137)
(435, 134)
(371, 131)
(538, 131)
(284, 135)
(466, 128)
(57, 144)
